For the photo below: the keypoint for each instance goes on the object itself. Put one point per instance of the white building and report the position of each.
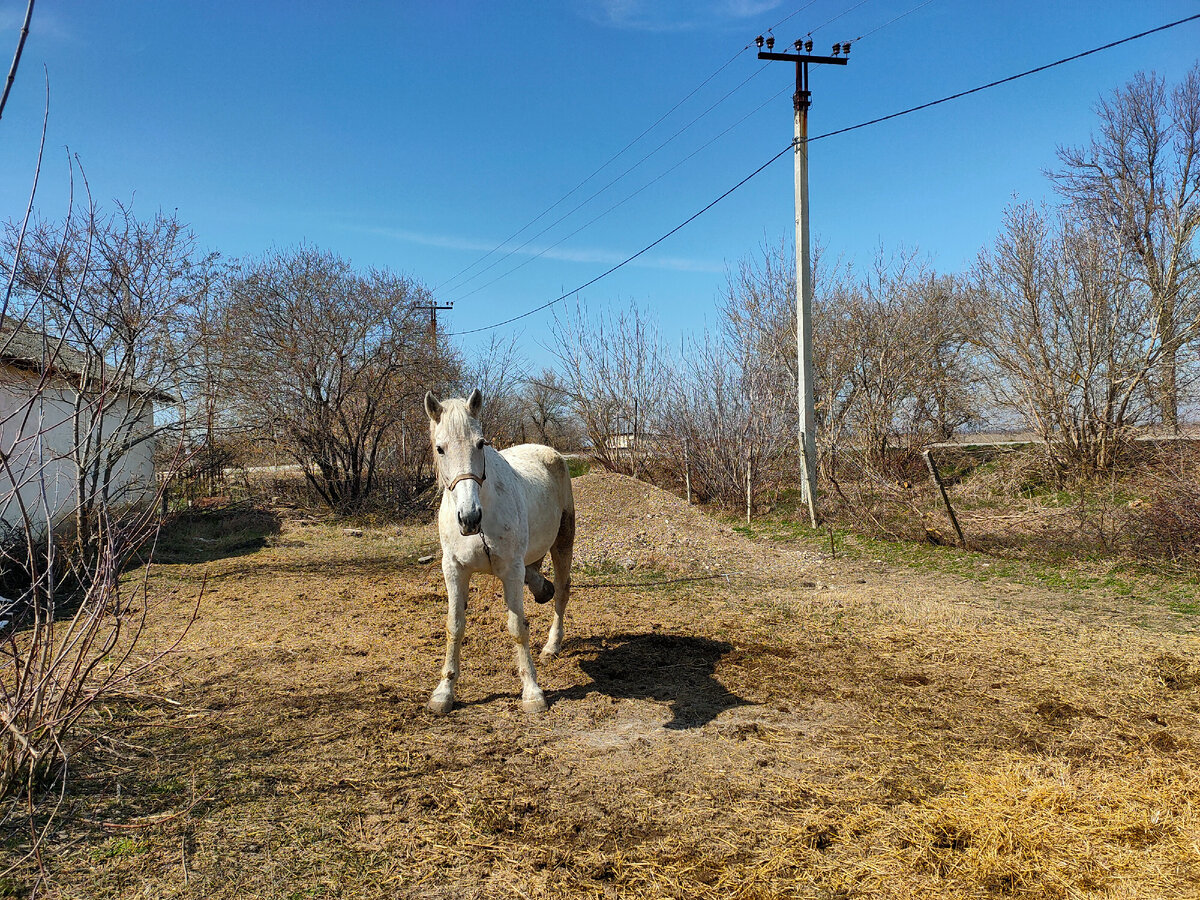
(43, 437)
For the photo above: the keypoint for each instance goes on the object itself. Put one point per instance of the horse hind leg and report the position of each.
(561, 553)
(542, 590)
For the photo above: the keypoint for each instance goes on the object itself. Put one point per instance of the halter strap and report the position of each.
(471, 476)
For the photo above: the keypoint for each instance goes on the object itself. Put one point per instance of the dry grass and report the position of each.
(891, 735)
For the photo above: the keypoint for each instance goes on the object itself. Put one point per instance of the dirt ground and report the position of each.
(728, 718)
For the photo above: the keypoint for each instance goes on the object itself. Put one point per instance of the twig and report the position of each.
(153, 820)
(621, 584)
(12, 70)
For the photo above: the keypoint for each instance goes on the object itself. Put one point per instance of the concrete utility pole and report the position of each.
(801, 101)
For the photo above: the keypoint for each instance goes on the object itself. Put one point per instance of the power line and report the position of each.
(789, 148)
(627, 197)
(610, 161)
(789, 16)
(598, 170)
(601, 190)
(628, 259)
(992, 84)
(892, 21)
(630, 169)
(839, 15)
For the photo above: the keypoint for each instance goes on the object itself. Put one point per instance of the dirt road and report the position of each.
(804, 727)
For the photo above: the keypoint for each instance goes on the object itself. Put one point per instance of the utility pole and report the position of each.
(433, 308)
(801, 101)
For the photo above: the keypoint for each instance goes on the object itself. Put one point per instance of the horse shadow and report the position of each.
(674, 669)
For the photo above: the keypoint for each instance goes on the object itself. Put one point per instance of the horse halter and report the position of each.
(467, 476)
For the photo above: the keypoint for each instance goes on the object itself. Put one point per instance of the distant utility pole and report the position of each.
(801, 101)
(433, 311)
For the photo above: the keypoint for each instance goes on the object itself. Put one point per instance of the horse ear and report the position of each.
(475, 403)
(433, 409)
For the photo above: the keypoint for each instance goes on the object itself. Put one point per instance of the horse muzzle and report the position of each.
(470, 522)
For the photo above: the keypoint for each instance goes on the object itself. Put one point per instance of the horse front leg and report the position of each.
(457, 581)
(532, 698)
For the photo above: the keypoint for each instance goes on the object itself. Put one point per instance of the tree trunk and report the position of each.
(1168, 391)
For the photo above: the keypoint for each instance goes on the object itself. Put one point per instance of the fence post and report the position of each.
(687, 468)
(749, 488)
(937, 479)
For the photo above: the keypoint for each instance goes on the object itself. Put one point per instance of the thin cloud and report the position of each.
(43, 24)
(672, 15)
(581, 255)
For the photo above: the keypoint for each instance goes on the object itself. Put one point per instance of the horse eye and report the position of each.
(479, 444)
(440, 450)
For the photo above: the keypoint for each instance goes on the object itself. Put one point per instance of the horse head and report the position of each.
(458, 443)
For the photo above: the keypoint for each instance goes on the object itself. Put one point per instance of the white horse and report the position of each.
(501, 513)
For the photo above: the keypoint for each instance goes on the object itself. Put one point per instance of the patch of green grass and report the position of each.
(578, 466)
(1066, 572)
(1185, 607)
(119, 848)
(166, 786)
(599, 567)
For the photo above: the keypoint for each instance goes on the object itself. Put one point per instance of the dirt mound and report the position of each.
(623, 523)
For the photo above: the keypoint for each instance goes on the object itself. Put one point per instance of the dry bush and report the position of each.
(1168, 524)
(1010, 474)
(92, 336)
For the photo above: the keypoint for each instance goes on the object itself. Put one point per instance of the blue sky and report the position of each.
(419, 135)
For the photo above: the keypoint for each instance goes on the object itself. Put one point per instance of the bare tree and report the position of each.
(546, 408)
(616, 370)
(891, 356)
(91, 343)
(1072, 336)
(498, 370)
(1138, 180)
(902, 335)
(731, 427)
(326, 361)
(211, 434)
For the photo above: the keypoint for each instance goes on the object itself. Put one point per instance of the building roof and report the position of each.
(26, 348)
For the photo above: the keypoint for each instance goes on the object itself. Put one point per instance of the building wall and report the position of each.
(37, 444)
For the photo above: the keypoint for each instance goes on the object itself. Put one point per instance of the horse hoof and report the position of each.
(439, 706)
(549, 652)
(536, 705)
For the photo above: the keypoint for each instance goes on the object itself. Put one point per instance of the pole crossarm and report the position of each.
(802, 58)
